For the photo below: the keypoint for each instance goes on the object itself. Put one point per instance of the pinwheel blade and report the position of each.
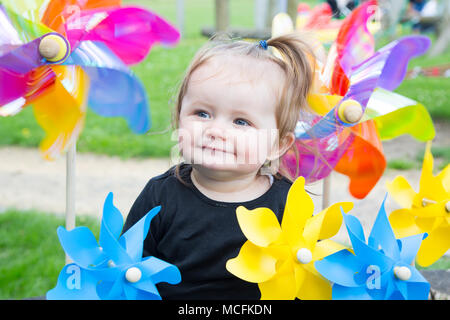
(74, 283)
(21, 90)
(418, 287)
(363, 161)
(299, 208)
(71, 8)
(409, 247)
(124, 97)
(129, 32)
(253, 264)
(22, 59)
(19, 42)
(395, 115)
(159, 271)
(282, 286)
(318, 156)
(25, 29)
(349, 293)
(147, 291)
(134, 237)
(14, 87)
(81, 246)
(112, 218)
(382, 236)
(354, 41)
(26, 8)
(379, 70)
(110, 228)
(340, 268)
(399, 54)
(434, 246)
(260, 225)
(361, 249)
(62, 122)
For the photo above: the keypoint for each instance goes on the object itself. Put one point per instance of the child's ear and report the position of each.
(285, 143)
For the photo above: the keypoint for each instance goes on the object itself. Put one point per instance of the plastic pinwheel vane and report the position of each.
(113, 268)
(62, 56)
(377, 270)
(427, 211)
(353, 107)
(281, 259)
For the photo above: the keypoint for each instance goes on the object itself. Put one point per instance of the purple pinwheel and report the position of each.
(378, 270)
(354, 107)
(61, 56)
(112, 269)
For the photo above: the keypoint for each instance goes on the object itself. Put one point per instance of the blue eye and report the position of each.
(241, 122)
(202, 114)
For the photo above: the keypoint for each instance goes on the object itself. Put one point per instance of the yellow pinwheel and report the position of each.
(426, 211)
(281, 258)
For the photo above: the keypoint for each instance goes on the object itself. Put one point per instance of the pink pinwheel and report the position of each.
(61, 56)
(358, 108)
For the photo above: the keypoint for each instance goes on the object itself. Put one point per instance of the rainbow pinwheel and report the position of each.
(281, 259)
(113, 268)
(377, 270)
(62, 56)
(427, 211)
(353, 107)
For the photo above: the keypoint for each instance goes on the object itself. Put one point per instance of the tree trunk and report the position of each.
(392, 10)
(443, 39)
(292, 10)
(261, 14)
(222, 15)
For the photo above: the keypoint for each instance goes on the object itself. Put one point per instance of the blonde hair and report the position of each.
(293, 55)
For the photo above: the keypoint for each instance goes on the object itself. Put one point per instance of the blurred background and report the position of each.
(163, 70)
(30, 254)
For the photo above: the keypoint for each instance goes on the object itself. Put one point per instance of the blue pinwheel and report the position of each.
(378, 270)
(113, 268)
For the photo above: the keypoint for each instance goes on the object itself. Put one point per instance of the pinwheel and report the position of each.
(377, 270)
(353, 108)
(113, 268)
(61, 56)
(281, 259)
(319, 20)
(427, 211)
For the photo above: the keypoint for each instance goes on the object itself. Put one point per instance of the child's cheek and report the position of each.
(248, 146)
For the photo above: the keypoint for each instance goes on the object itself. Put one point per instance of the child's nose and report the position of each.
(215, 132)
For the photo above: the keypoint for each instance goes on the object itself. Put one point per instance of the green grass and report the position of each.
(401, 164)
(442, 264)
(433, 93)
(441, 157)
(30, 254)
(162, 71)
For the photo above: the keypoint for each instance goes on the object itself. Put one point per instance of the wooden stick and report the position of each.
(326, 192)
(70, 189)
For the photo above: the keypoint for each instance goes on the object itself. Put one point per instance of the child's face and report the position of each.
(227, 120)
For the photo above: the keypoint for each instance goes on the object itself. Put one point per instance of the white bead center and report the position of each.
(304, 256)
(133, 275)
(402, 273)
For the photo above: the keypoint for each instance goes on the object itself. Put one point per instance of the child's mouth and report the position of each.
(215, 151)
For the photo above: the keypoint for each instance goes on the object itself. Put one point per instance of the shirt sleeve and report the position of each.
(141, 206)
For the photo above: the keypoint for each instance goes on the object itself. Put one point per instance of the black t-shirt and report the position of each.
(199, 235)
